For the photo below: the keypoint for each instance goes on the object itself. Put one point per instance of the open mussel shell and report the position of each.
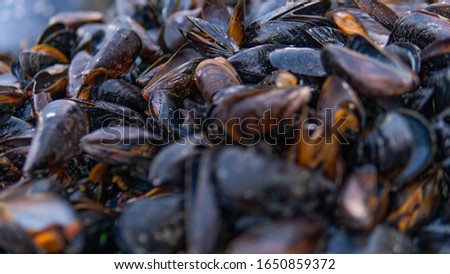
(11, 98)
(338, 100)
(59, 37)
(152, 225)
(401, 145)
(408, 53)
(210, 39)
(363, 199)
(39, 57)
(417, 202)
(178, 84)
(236, 26)
(183, 55)
(49, 233)
(348, 23)
(424, 148)
(52, 80)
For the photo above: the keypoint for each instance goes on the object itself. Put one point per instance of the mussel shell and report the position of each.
(90, 38)
(120, 92)
(382, 240)
(256, 109)
(408, 53)
(213, 75)
(257, 183)
(420, 28)
(11, 98)
(170, 37)
(210, 39)
(291, 236)
(15, 127)
(216, 13)
(282, 33)
(337, 95)
(104, 114)
(117, 54)
(52, 80)
(63, 40)
(31, 213)
(236, 26)
(379, 11)
(179, 83)
(204, 224)
(417, 203)
(182, 56)
(34, 61)
(303, 8)
(75, 19)
(439, 83)
(253, 64)
(368, 75)
(61, 125)
(152, 225)
(405, 134)
(441, 125)
(76, 68)
(120, 145)
(169, 166)
(443, 9)
(435, 56)
(150, 51)
(302, 61)
(363, 199)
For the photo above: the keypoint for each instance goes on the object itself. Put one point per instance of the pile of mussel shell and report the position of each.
(229, 127)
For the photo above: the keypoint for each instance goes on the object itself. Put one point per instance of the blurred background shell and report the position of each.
(23, 20)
